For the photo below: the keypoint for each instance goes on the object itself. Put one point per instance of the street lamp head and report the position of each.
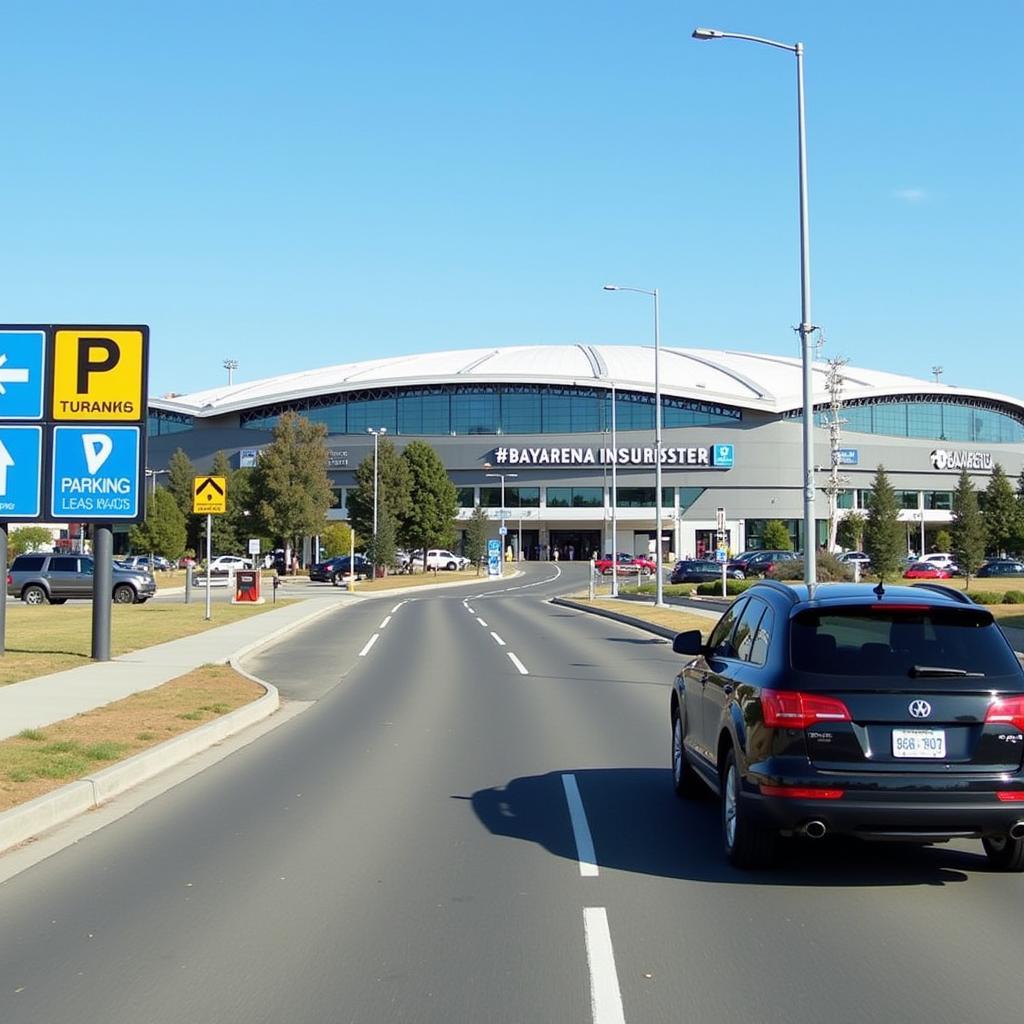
(707, 33)
(611, 287)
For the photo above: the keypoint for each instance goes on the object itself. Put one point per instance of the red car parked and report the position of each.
(626, 564)
(926, 571)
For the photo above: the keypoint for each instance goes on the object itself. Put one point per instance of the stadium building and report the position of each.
(542, 416)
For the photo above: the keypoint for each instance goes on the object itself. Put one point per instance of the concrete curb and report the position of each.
(21, 823)
(410, 591)
(627, 620)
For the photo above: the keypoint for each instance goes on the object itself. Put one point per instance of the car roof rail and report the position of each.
(780, 588)
(957, 595)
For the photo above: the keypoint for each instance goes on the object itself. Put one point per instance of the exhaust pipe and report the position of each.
(1017, 830)
(817, 829)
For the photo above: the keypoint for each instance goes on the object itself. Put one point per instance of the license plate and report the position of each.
(918, 743)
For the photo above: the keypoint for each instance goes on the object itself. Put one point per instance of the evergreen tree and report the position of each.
(1000, 512)
(393, 494)
(967, 528)
(223, 536)
(850, 533)
(291, 491)
(163, 532)
(1017, 541)
(943, 541)
(477, 531)
(381, 550)
(884, 539)
(180, 480)
(775, 536)
(429, 521)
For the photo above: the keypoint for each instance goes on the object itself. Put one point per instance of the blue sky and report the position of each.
(299, 184)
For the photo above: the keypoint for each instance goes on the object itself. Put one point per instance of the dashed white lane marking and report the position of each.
(481, 621)
(518, 664)
(384, 623)
(397, 606)
(605, 997)
(468, 609)
(369, 644)
(497, 639)
(580, 828)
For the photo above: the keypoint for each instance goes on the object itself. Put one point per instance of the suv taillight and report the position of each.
(790, 709)
(1007, 711)
(10, 579)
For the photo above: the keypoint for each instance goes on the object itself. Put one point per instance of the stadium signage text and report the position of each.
(943, 459)
(697, 457)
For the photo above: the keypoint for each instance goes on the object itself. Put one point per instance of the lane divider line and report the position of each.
(580, 828)
(497, 639)
(369, 644)
(518, 664)
(605, 996)
(384, 623)
(481, 621)
(397, 606)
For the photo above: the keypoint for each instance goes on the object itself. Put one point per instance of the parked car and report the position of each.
(695, 571)
(926, 571)
(624, 564)
(1001, 567)
(44, 578)
(941, 558)
(756, 563)
(229, 563)
(852, 558)
(334, 570)
(441, 558)
(892, 715)
(143, 562)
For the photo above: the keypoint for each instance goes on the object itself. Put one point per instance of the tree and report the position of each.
(851, 531)
(943, 541)
(291, 491)
(163, 532)
(429, 521)
(393, 497)
(1017, 543)
(27, 538)
(335, 539)
(967, 528)
(181, 474)
(884, 541)
(775, 536)
(1000, 512)
(477, 531)
(381, 549)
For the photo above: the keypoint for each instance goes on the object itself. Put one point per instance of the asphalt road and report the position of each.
(414, 847)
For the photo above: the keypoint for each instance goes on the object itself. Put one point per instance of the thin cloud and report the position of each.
(910, 195)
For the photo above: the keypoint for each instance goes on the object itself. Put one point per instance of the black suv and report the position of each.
(757, 563)
(883, 714)
(42, 578)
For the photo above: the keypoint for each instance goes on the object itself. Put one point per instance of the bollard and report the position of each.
(188, 584)
(592, 571)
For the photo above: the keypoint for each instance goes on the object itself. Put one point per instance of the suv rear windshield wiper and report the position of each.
(942, 671)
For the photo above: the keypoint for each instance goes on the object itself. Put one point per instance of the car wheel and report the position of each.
(684, 779)
(738, 574)
(1004, 853)
(337, 580)
(33, 594)
(746, 846)
(124, 594)
(450, 566)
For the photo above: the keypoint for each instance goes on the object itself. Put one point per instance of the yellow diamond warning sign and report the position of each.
(210, 495)
(99, 374)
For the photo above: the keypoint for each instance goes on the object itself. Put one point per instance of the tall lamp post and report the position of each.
(376, 431)
(659, 588)
(806, 327)
(501, 477)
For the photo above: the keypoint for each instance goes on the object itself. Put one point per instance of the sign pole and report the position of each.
(3, 589)
(209, 558)
(103, 579)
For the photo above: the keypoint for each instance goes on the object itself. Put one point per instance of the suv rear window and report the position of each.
(28, 563)
(874, 641)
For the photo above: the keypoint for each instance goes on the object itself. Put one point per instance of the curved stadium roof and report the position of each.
(769, 383)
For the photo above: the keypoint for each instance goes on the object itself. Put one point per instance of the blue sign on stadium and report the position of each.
(95, 473)
(722, 456)
(22, 369)
(21, 465)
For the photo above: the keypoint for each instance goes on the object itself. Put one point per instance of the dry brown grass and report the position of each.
(41, 760)
(400, 581)
(50, 638)
(672, 618)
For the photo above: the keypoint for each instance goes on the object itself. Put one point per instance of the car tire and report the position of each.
(738, 574)
(684, 779)
(34, 594)
(337, 580)
(746, 845)
(123, 594)
(451, 567)
(1004, 853)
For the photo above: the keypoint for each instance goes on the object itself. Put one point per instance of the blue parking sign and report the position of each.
(493, 557)
(95, 473)
(22, 368)
(21, 463)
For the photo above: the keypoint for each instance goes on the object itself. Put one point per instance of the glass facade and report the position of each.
(159, 421)
(461, 409)
(643, 497)
(575, 497)
(688, 495)
(515, 497)
(937, 421)
(467, 497)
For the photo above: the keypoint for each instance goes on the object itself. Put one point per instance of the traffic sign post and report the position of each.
(72, 442)
(493, 557)
(209, 495)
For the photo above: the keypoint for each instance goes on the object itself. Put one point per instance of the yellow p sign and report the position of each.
(98, 375)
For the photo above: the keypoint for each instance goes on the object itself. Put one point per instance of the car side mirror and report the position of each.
(689, 642)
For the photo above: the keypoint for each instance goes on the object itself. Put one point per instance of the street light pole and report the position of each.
(376, 431)
(501, 477)
(659, 589)
(806, 327)
(615, 502)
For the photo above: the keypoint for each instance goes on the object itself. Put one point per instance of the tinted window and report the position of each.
(762, 637)
(64, 564)
(719, 642)
(746, 628)
(28, 563)
(863, 641)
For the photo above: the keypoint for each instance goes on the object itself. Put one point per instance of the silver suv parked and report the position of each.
(41, 578)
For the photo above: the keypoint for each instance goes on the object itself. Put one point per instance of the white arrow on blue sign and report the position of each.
(95, 473)
(22, 362)
(21, 463)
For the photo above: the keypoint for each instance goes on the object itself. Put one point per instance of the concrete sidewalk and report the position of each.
(34, 703)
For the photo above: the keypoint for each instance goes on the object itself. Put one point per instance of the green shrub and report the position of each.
(987, 597)
(732, 587)
(1013, 597)
(829, 570)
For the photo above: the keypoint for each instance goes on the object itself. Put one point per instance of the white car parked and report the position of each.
(229, 563)
(440, 558)
(941, 559)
